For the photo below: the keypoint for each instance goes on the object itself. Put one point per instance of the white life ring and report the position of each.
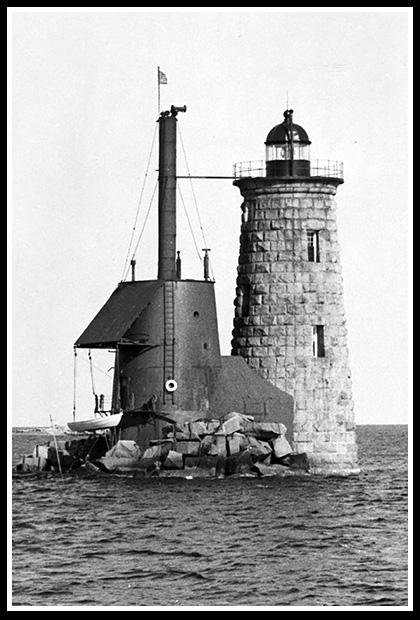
(171, 385)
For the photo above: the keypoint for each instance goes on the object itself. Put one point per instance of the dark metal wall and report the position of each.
(196, 352)
(288, 168)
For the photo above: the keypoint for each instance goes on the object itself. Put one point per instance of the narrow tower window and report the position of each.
(245, 298)
(318, 349)
(313, 246)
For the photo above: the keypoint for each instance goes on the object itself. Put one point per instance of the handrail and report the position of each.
(318, 168)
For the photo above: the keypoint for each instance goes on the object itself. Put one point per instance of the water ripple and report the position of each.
(130, 542)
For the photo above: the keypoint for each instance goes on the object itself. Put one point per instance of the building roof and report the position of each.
(118, 314)
(240, 388)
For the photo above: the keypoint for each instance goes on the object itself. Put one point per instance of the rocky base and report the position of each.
(235, 445)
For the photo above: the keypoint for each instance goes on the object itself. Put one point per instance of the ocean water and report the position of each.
(292, 541)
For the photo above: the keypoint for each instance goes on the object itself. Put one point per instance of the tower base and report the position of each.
(290, 321)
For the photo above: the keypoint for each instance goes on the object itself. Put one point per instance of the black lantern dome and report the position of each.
(287, 149)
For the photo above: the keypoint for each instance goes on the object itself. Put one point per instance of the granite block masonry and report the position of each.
(289, 320)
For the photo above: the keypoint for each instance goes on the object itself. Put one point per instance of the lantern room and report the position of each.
(287, 149)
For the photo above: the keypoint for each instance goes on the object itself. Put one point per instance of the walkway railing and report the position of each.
(318, 168)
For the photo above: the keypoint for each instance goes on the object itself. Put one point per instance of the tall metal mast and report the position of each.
(167, 194)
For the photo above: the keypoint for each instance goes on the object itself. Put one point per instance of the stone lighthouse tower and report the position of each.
(289, 319)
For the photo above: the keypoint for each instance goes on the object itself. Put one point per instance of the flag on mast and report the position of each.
(162, 79)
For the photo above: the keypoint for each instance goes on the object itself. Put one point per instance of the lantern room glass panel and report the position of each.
(282, 152)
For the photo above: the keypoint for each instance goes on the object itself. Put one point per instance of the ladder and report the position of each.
(169, 339)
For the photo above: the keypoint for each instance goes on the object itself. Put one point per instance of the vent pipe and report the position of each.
(133, 269)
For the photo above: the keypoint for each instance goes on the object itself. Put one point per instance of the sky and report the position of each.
(83, 106)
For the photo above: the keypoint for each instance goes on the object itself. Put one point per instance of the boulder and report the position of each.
(211, 426)
(270, 470)
(123, 456)
(281, 447)
(199, 428)
(243, 441)
(30, 463)
(120, 463)
(208, 446)
(152, 453)
(191, 462)
(236, 443)
(230, 425)
(241, 416)
(163, 445)
(188, 447)
(173, 460)
(238, 463)
(263, 430)
(92, 468)
(297, 461)
(258, 449)
(124, 448)
(43, 451)
(220, 443)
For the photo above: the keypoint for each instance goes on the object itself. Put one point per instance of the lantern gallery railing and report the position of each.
(326, 168)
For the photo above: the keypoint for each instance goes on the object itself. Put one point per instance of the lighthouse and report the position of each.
(289, 322)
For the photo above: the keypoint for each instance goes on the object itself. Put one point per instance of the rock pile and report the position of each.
(236, 444)
(63, 454)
